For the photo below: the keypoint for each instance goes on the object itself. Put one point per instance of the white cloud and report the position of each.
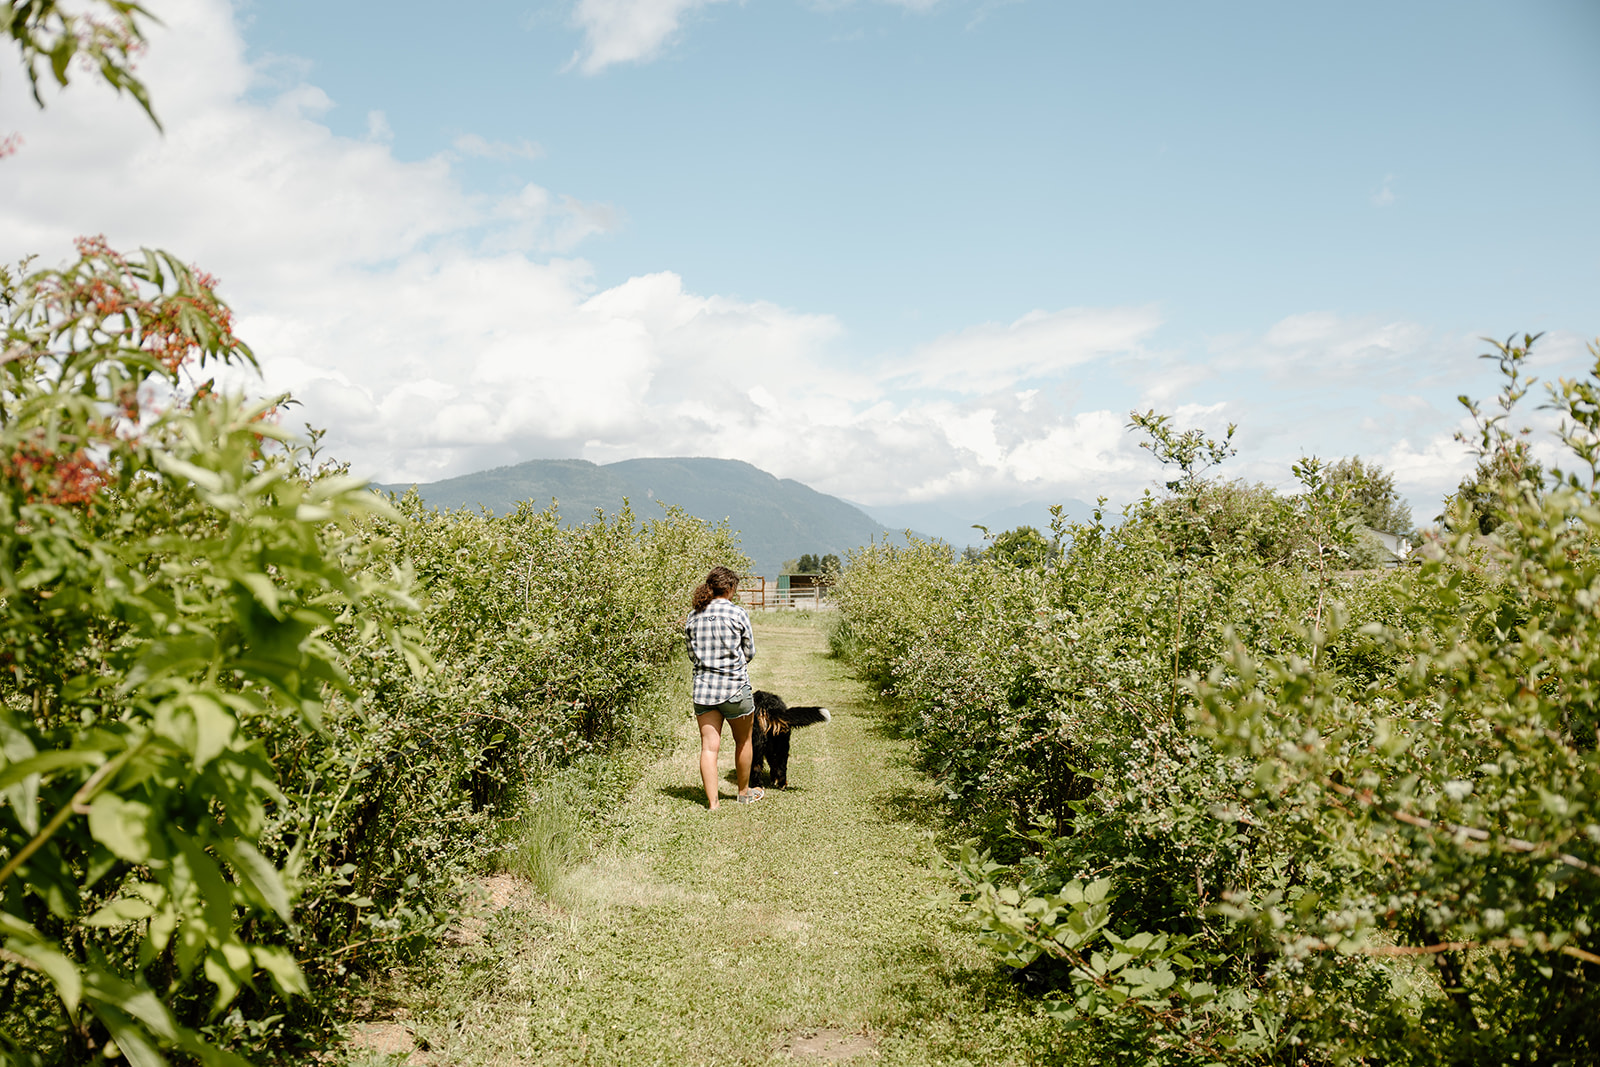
(1325, 384)
(533, 219)
(1410, 402)
(985, 9)
(638, 31)
(1384, 196)
(1039, 344)
(627, 31)
(436, 331)
(1325, 348)
(1437, 463)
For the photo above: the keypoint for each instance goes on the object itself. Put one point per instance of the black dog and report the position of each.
(774, 720)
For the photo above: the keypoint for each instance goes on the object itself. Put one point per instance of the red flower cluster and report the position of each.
(174, 328)
(52, 477)
(171, 327)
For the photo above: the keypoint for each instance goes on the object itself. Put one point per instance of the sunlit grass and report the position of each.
(807, 618)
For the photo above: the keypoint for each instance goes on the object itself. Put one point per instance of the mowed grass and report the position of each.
(797, 928)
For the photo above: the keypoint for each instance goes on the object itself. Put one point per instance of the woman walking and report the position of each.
(721, 643)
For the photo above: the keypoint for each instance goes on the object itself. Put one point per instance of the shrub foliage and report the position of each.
(1234, 800)
(256, 722)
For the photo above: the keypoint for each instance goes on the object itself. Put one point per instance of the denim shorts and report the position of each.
(738, 706)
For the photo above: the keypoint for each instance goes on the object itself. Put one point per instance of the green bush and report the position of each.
(1454, 799)
(1234, 801)
(168, 579)
(257, 724)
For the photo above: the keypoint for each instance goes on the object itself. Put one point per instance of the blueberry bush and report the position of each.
(1230, 797)
(258, 724)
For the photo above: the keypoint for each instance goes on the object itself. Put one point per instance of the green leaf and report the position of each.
(45, 762)
(178, 655)
(132, 1041)
(61, 57)
(281, 967)
(121, 825)
(214, 728)
(22, 796)
(228, 973)
(120, 912)
(216, 894)
(258, 873)
(206, 479)
(265, 593)
(162, 926)
(140, 1004)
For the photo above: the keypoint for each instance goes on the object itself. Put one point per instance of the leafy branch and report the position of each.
(108, 40)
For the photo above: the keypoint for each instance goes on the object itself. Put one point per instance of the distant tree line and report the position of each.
(813, 564)
(1370, 503)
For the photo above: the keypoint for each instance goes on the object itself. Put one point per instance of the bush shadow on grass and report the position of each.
(918, 807)
(926, 809)
(695, 794)
(975, 1002)
(885, 720)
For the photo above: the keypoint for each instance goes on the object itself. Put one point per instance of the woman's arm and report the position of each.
(694, 653)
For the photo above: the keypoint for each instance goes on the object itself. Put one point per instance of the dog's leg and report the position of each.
(778, 759)
(759, 742)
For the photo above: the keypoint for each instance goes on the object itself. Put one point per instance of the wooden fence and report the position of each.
(757, 594)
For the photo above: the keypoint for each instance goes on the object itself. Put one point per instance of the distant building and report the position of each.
(795, 589)
(1396, 548)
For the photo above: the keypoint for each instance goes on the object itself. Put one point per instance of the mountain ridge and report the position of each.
(778, 519)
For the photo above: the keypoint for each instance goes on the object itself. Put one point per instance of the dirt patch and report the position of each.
(829, 1045)
(388, 1039)
(494, 893)
(505, 890)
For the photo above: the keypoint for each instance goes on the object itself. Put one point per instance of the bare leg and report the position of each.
(744, 749)
(710, 745)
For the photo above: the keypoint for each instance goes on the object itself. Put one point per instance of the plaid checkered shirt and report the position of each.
(720, 644)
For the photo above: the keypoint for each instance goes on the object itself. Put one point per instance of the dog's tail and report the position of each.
(795, 718)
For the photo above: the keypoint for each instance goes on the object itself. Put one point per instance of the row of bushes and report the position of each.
(258, 724)
(1231, 800)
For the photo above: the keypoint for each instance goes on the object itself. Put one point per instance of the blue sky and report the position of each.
(910, 251)
(917, 171)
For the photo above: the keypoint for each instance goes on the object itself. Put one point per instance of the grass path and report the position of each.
(795, 929)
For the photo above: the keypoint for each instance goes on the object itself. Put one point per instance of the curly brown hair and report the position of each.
(720, 582)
